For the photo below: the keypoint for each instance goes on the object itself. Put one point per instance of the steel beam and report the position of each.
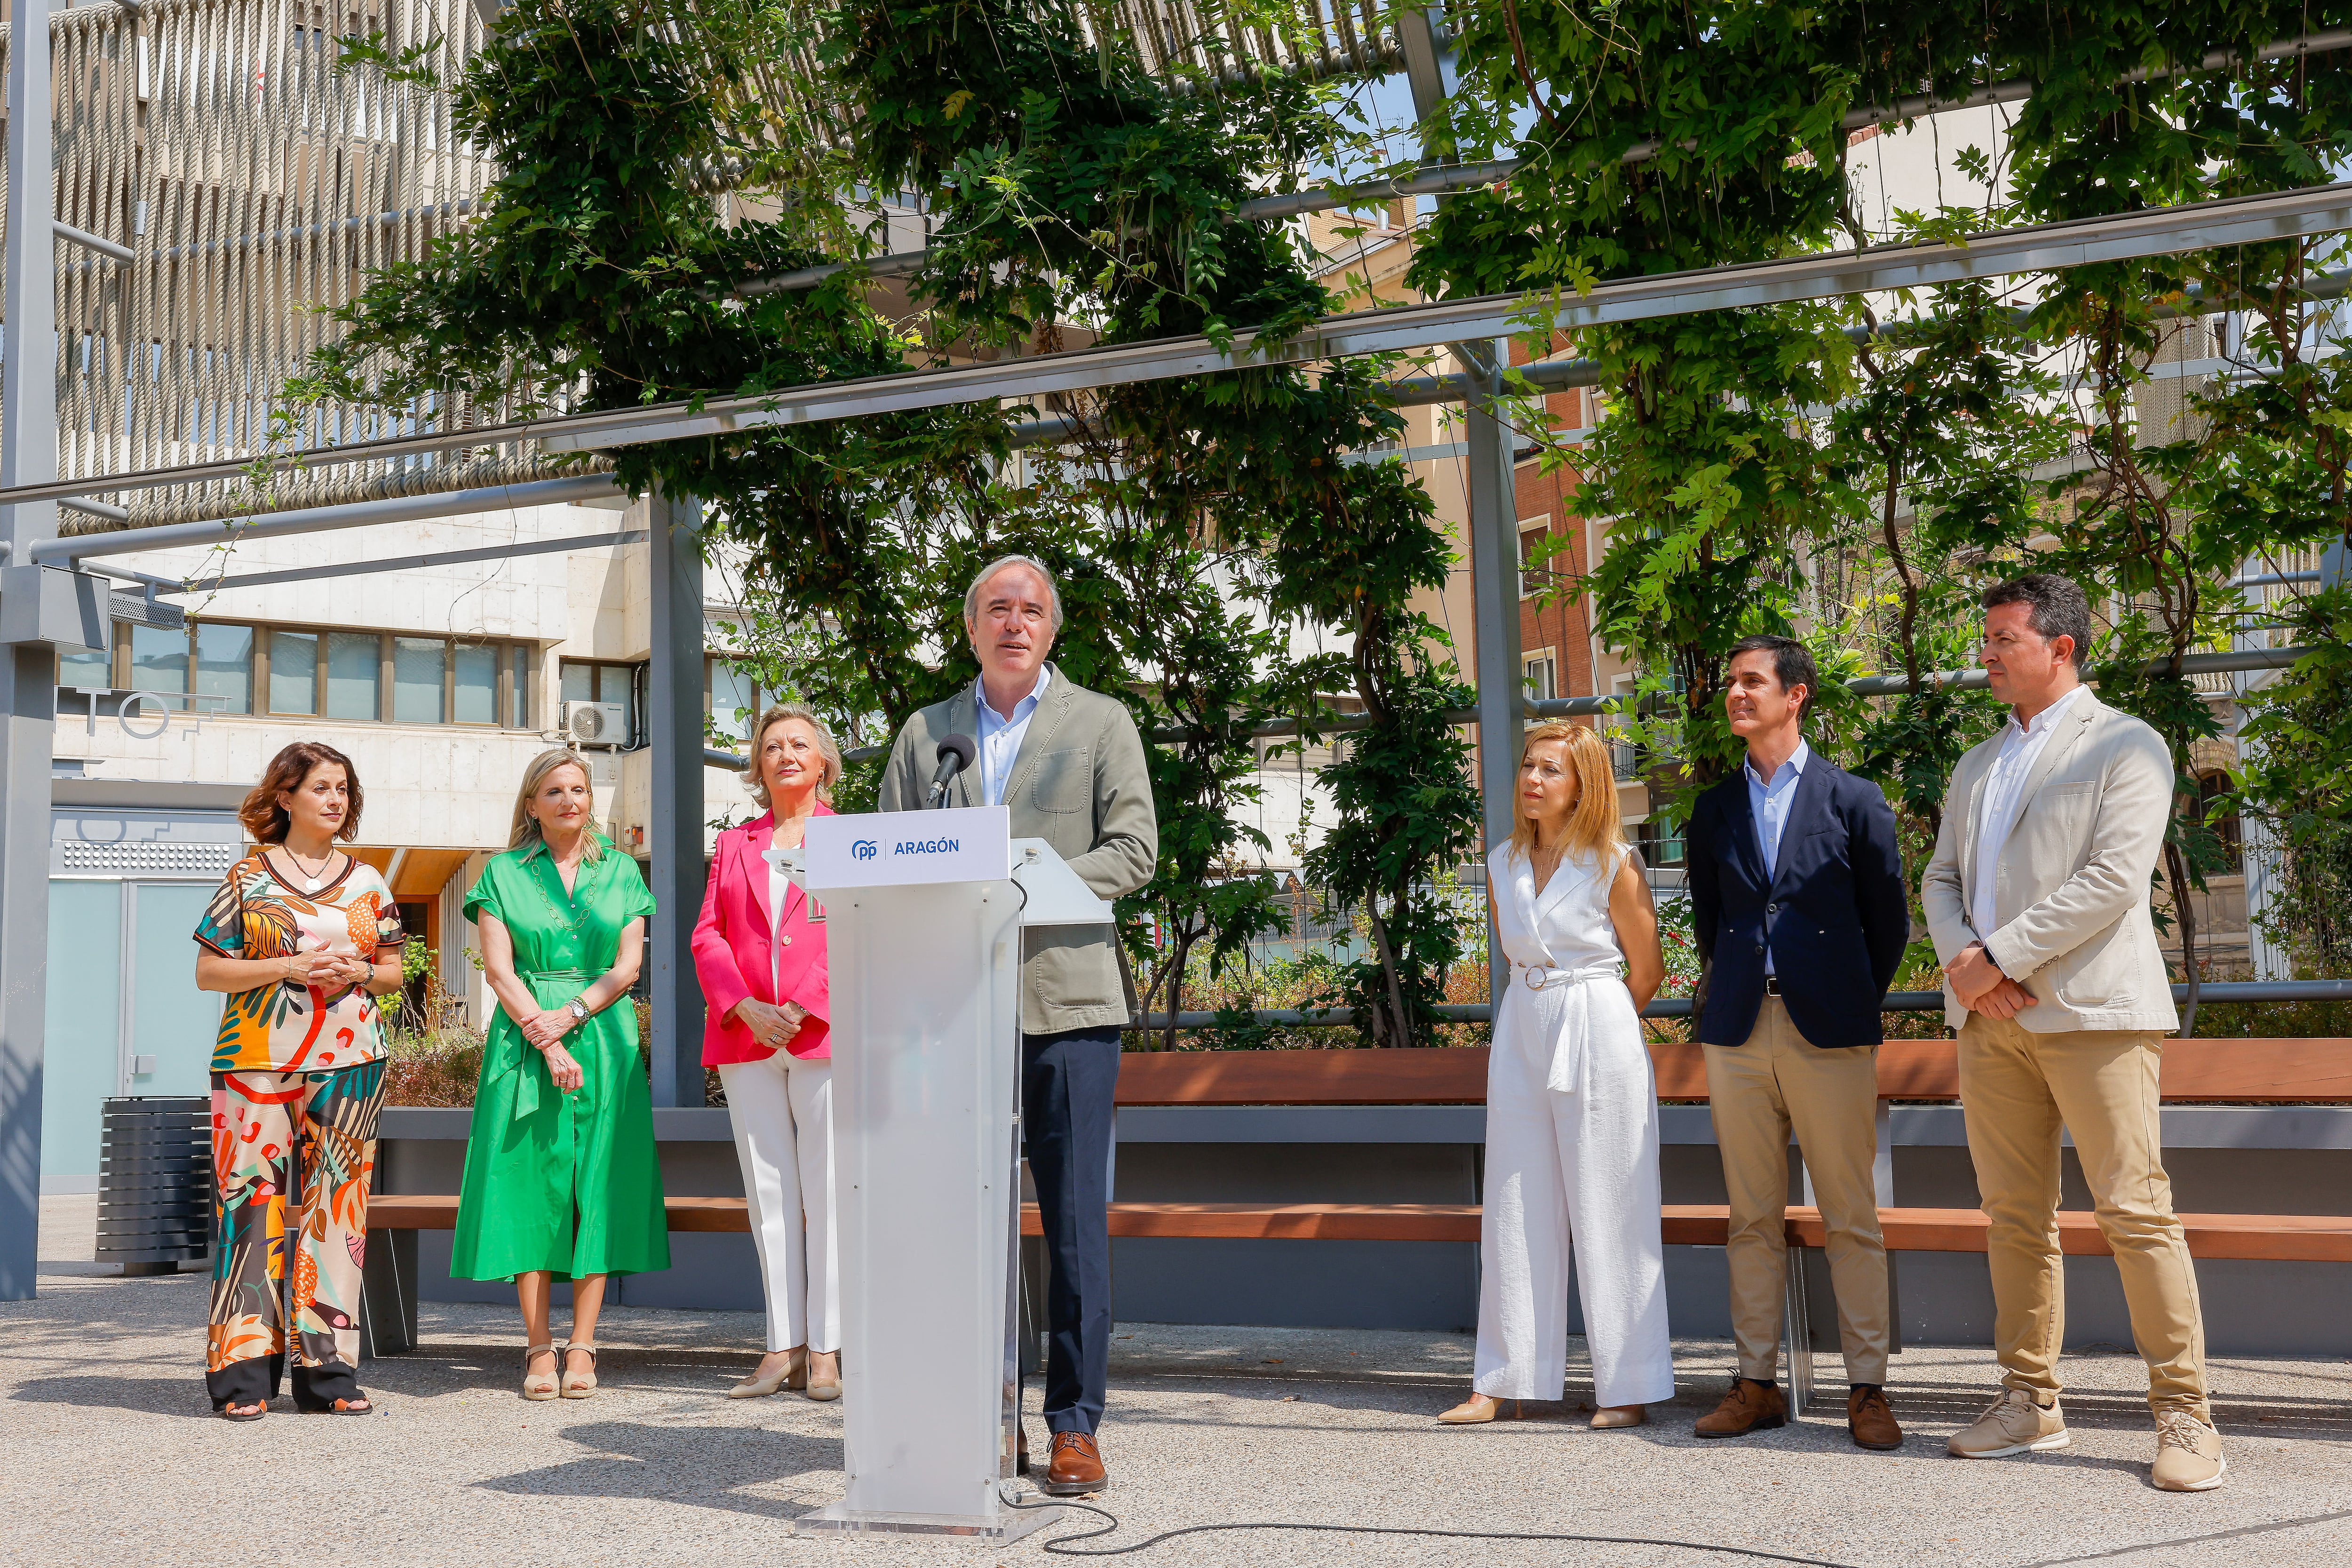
(566, 491)
(407, 563)
(28, 456)
(1582, 707)
(1423, 59)
(2238, 220)
(674, 722)
(2196, 226)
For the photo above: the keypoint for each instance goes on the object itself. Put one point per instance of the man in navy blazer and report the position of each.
(1798, 903)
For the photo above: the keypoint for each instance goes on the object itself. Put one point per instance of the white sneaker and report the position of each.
(2013, 1424)
(2187, 1454)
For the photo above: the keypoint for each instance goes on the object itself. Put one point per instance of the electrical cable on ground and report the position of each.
(1059, 1546)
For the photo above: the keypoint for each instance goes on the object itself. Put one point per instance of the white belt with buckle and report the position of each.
(1538, 976)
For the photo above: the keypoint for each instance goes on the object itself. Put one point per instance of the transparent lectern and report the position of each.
(924, 912)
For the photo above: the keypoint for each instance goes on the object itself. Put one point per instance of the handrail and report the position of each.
(1576, 707)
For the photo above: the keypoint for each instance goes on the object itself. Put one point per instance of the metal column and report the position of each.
(29, 455)
(1495, 596)
(1493, 513)
(674, 723)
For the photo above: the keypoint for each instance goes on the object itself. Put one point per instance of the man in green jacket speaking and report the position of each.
(1069, 765)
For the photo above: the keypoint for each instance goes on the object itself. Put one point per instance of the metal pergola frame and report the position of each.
(30, 490)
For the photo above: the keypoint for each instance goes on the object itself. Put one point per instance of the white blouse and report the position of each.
(1566, 927)
(1567, 996)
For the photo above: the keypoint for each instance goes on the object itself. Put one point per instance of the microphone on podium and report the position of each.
(955, 753)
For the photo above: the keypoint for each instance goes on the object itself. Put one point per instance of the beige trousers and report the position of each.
(1759, 1092)
(2017, 1089)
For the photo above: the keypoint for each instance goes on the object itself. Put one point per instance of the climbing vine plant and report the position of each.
(1074, 197)
(1862, 469)
(1855, 469)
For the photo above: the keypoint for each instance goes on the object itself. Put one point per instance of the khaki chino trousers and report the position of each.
(2017, 1089)
(1759, 1092)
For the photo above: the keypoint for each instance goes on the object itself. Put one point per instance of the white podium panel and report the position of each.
(926, 1080)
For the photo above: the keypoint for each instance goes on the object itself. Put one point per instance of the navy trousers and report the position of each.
(1066, 1083)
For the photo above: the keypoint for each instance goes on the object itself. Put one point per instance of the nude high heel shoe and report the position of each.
(830, 1388)
(793, 1374)
(1476, 1410)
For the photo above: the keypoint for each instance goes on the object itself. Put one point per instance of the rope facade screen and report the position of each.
(228, 187)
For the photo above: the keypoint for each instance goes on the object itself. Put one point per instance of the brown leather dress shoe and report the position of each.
(1869, 1419)
(1751, 1406)
(1074, 1466)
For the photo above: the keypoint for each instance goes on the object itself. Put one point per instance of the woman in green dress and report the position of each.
(561, 1181)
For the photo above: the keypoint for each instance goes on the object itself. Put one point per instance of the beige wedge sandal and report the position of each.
(579, 1385)
(538, 1385)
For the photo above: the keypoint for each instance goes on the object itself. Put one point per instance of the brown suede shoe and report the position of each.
(1869, 1419)
(1751, 1406)
(1074, 1466)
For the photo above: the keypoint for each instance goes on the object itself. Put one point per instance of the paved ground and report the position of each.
(107, 1456)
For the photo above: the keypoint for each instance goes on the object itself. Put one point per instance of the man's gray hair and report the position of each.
(971, 594)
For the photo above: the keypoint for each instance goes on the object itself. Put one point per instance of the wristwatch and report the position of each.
(578, 1009)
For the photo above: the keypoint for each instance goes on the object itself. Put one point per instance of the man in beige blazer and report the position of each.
(2037, 899)
(1070, 765)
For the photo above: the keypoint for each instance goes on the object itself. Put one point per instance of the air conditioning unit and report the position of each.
(596, 723)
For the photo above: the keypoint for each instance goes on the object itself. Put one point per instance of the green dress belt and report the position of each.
(564, 984)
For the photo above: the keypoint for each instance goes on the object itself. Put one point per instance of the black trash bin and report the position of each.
(155, 1183)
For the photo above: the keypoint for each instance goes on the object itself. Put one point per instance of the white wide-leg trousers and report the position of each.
(782, 1109)
(1580, 1165)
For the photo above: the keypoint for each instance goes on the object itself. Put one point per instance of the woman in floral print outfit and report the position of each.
(304, 939)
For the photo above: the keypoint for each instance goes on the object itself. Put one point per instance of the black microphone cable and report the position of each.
(1061, 1546)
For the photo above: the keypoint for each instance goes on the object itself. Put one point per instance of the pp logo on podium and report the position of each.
(881, 850)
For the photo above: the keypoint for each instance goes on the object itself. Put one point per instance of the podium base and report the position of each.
(1009, 1525)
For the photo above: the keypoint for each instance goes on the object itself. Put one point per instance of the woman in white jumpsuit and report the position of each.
(1571, 1104)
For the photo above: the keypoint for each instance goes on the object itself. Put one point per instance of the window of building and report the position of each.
(237, 668)
(474, 682)
(92, 668)
(420, 668)
(1661, 848)
(159, 659)
(293, 672)
(1535, 575)
(225, 666)
(2210, 788)
(1542, 671)
(732, 699)
(356, 664)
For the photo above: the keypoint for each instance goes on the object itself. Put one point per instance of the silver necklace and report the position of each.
(317, 879)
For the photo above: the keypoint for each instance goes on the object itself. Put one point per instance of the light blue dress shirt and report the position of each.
(1769, 803)
(1000, 737)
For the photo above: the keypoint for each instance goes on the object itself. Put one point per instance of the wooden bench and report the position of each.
(2195, 1072)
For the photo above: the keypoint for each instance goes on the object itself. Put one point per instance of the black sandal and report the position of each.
(332, 1390)
(256, 1409)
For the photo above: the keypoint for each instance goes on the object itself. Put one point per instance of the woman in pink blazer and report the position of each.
(760, 951)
